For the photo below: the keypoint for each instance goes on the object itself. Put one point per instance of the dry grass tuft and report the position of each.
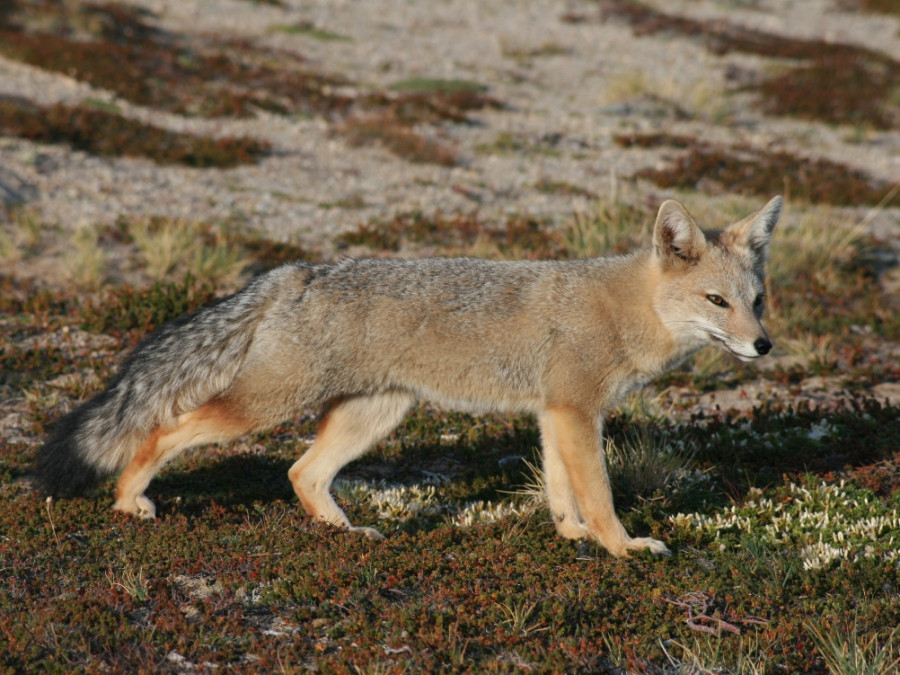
(173, 248)
(609, 226)
(85, 261)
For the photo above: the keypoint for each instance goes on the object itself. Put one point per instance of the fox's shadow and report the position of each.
(486, 468)
(230, 482)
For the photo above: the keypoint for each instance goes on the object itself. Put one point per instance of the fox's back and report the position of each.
(474, 333)
(463, 285)
(443, 327)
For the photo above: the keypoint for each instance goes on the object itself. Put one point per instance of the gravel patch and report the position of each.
(567, 87)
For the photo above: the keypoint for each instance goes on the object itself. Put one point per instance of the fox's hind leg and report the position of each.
(348, 430)
(213, 422)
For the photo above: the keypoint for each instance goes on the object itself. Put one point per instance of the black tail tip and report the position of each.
(61, 472)
(60, 469)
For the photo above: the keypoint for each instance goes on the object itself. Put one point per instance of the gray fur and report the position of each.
(315, 322)
(175, 369)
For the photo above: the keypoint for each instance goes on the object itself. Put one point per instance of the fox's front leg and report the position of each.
(560, 495)
(572, 450)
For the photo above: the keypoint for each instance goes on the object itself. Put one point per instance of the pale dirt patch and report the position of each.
(562, 83)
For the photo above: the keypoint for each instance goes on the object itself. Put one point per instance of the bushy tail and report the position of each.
(62, 469)
(178, 368)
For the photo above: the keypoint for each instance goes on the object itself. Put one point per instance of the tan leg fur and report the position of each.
(211, 423)
(574, 440)
(560, 495)
(349, 429)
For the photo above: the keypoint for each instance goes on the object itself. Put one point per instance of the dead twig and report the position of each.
(702, 615)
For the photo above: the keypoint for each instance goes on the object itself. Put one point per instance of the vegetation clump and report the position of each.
(397, 137)
(830, 82)
(114, 48)
(750, 171)
(392, 119)
(875, 6)
(102, 132)
(458, 233)
(232, 573)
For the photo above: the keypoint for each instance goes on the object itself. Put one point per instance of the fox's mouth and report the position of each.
(723, 344)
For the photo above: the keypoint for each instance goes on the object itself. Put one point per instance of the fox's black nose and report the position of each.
(762, 346)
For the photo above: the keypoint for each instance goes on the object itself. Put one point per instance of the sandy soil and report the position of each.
(567, 86)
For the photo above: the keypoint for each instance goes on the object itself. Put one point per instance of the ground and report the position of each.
(156, 154)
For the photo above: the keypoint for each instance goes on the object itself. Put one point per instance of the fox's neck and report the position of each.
(651, 346)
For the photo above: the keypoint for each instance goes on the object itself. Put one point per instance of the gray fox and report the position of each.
(363, 339)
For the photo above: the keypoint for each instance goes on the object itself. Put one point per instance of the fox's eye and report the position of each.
(760, 300)
(717, 300)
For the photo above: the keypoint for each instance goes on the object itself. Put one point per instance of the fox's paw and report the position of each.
(655, 546)
(140, 506)
(146, 509)
(367, 532)
(569, 528)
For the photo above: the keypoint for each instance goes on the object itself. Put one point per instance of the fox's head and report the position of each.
(712, 289)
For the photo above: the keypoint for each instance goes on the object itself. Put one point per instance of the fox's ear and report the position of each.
(755, 231)
(677, 239)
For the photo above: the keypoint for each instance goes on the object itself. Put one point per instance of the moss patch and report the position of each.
(103, 132)
(833, 82)
(749, 171)
(113, 47)
(457, 233)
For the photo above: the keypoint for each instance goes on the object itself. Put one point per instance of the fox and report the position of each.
(361, 340)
